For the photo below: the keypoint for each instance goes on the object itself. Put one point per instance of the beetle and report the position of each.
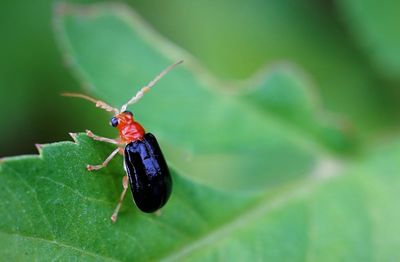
(146, 169)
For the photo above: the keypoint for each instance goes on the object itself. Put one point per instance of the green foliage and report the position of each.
(259, 173)
(375, 26)
(235, 38)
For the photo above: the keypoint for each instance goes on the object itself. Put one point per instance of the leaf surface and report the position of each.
(374, 26)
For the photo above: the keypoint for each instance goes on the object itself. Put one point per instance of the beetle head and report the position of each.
(122, 119)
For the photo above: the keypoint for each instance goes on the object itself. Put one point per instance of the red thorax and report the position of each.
(129, 130)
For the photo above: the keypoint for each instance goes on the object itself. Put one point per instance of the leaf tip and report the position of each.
(74, 136)
(39, 148)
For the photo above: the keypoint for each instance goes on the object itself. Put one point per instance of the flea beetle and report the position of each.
(146, 169)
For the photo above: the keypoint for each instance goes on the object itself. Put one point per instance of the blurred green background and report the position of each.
(349, 49)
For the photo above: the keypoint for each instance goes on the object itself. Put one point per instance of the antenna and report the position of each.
(146, 88)
(98, 103)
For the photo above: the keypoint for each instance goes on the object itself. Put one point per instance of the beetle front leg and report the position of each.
(102, 139)
(121, 198)
(105, 163)
(121, 151)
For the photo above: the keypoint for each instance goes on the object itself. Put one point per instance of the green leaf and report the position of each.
(53, 205)
(53, 208)
(251, 181)
(235, 38)
(287, 93)
(375, 26)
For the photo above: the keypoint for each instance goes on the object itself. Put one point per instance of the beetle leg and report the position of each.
(105, 163)
(121, 198)
(102, 139)
(121, 151)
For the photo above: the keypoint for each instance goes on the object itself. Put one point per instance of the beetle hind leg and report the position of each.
(121, 198)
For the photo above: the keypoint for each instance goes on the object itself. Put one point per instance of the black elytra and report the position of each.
(149, 177)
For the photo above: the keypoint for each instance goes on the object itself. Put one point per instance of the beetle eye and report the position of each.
(114, 122)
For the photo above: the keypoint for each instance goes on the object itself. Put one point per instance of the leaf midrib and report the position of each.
(265, 205)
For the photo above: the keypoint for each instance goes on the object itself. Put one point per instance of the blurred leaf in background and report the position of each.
(234, 39)
(312, 34)
(374, 26)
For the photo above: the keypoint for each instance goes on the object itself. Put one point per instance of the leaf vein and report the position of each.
(37, 201)
(60, 244)
(264, 206)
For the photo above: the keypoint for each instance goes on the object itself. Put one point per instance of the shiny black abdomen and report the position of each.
(148, 173)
